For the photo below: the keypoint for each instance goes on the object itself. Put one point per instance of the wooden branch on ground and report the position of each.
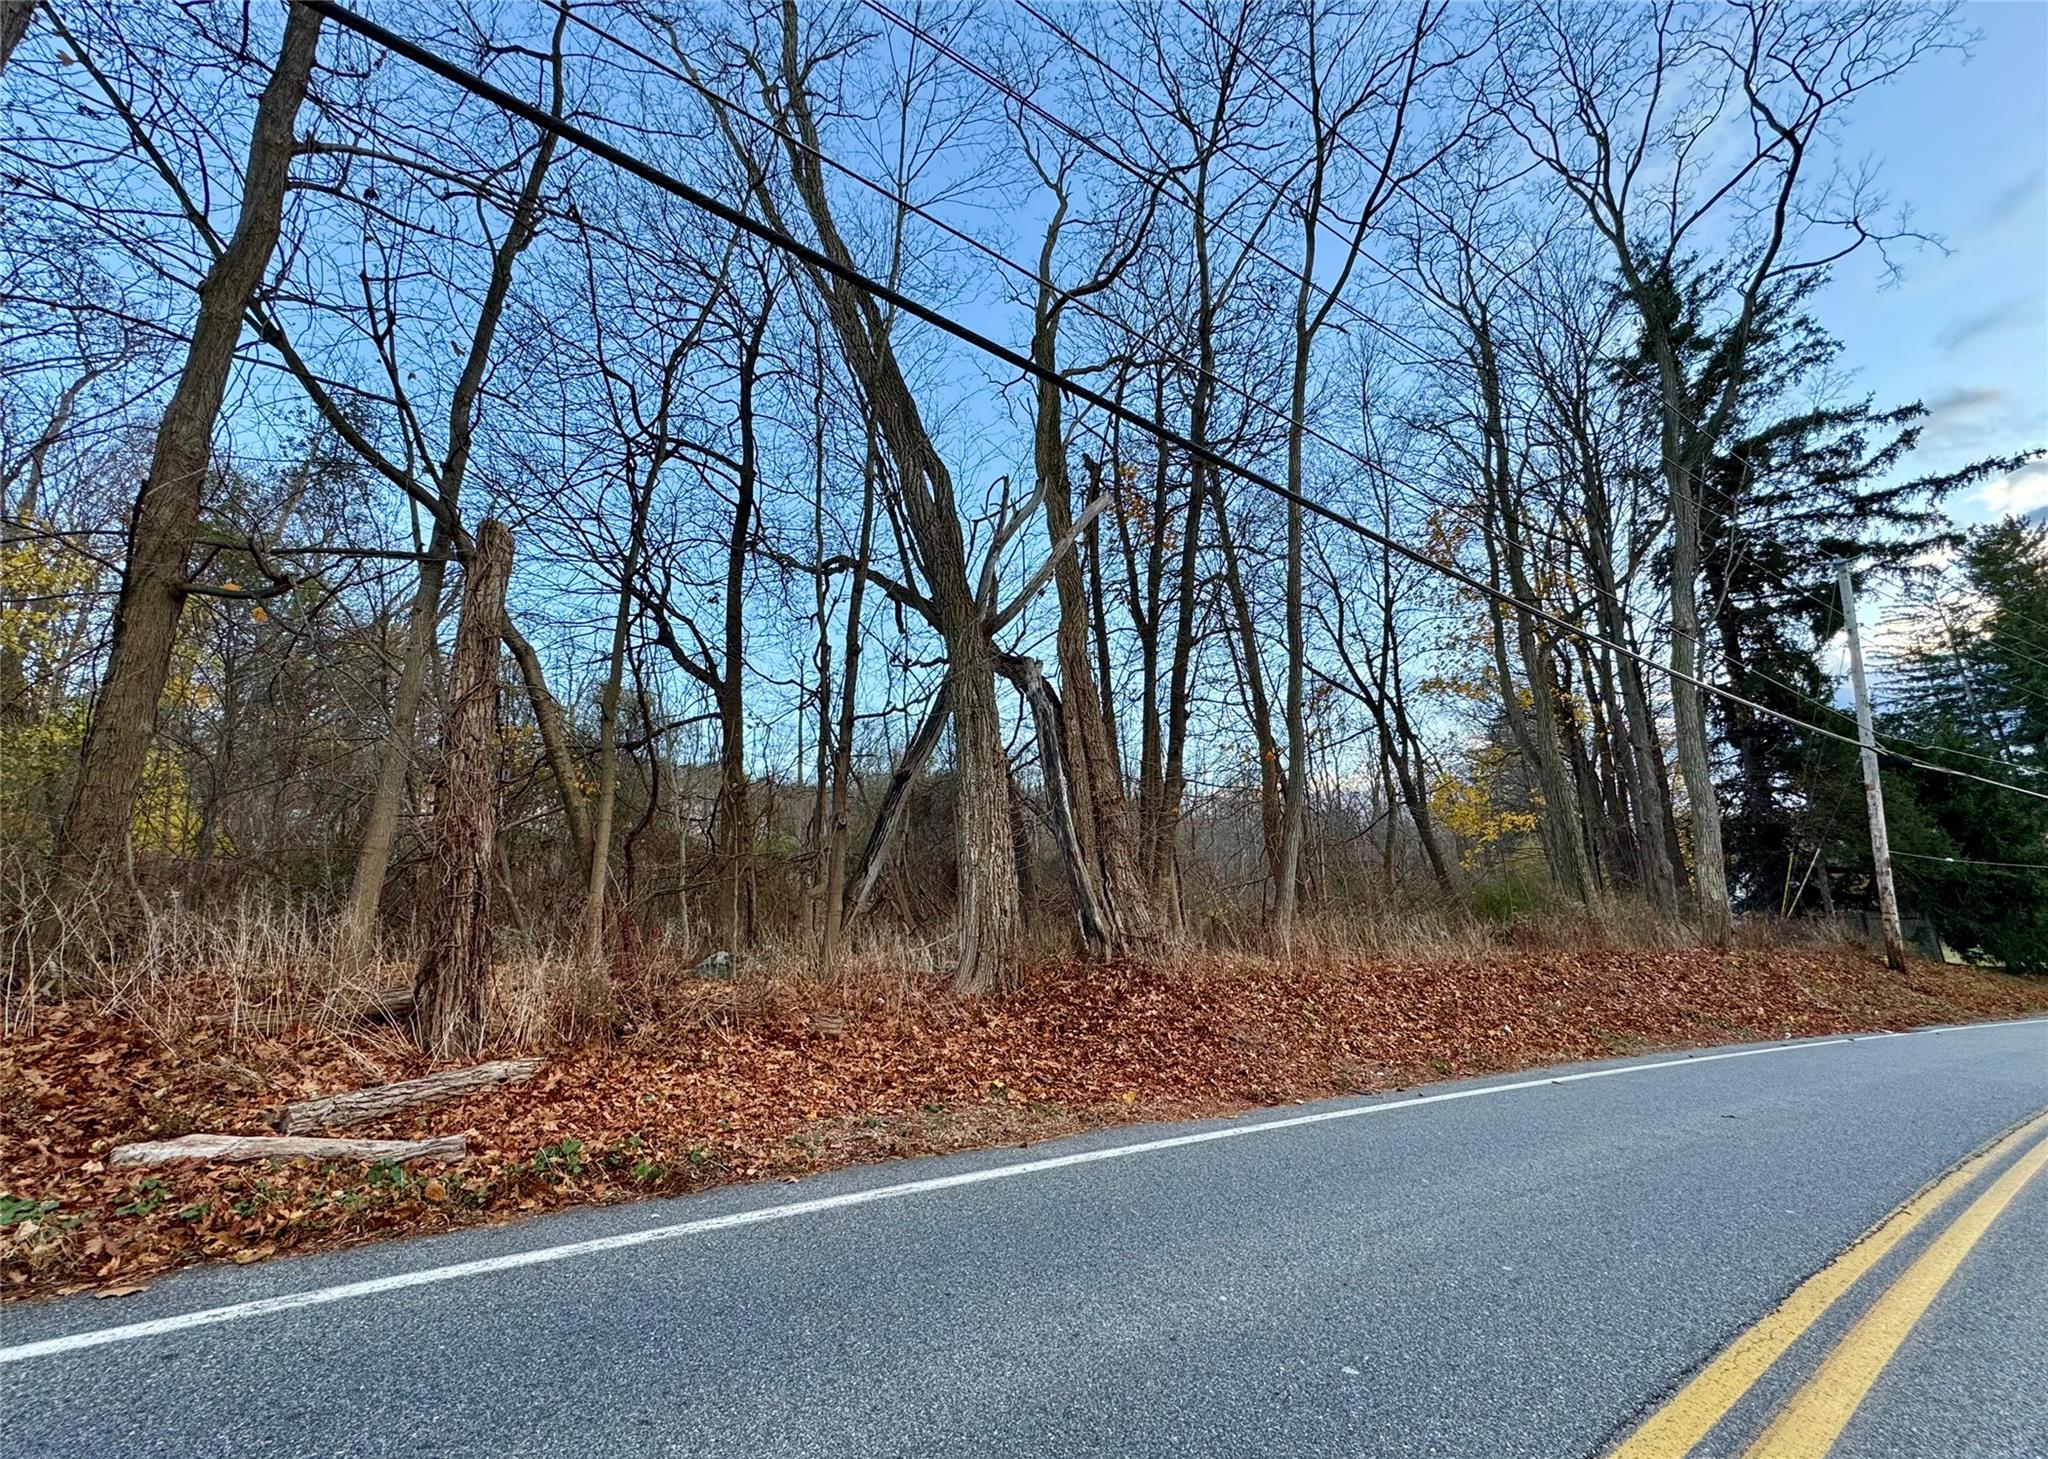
(209, 1149)
(356, 1106)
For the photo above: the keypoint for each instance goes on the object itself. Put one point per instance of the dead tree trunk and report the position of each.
(217, 1149)
(875, 855)
(166, 516)
(454, 971)
(360, 1106)
(1049, 723)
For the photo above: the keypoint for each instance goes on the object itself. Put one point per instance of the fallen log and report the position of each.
(356, 1106)
(386, 1005)
(207, 1149)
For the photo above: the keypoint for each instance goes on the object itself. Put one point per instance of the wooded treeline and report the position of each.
(816, 620)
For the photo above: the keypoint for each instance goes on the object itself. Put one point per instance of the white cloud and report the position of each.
(2015, 493)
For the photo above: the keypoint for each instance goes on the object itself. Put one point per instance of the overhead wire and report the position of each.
(818, 260)
(1123, 78)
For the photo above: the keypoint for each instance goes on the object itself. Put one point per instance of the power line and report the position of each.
(1635, 374)
(1351, 310)
(1972, 861)
(818, 260)
(1031, 276)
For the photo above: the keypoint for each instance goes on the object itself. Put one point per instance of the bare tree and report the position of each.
(1636, 117)
(167, 508)
(453, 981)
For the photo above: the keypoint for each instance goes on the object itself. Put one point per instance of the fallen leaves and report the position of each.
(840, 1076)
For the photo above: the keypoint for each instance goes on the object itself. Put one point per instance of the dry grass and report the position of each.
(251, 967)
(775, 1074)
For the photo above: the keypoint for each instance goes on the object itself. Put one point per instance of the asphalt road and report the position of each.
(1522, 1268)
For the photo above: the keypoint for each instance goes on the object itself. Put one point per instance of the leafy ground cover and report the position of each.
(750, 1082)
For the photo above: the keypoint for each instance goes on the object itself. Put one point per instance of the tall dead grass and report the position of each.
(251, 965)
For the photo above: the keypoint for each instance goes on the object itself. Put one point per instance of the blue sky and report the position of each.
(1965, 142)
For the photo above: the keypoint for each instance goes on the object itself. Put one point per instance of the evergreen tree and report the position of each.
(1979, 687)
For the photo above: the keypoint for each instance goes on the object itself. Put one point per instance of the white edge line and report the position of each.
(428, 1276)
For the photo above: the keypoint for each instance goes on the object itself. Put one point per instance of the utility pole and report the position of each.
(1873, 793)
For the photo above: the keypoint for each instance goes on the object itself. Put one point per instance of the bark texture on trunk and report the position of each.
(455, 967)
(211, 1149)
(360, 1106)
(1689, 714)
(988, 861)
(14, 18)
(167, 508)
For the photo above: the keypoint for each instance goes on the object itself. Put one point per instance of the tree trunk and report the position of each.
(380, 826)
(454, 972)
(1104, 837)
(735, 815)
(422, 658)
(595, 889)
(1689, 715)
(875, 855)
(14, 18)
(1258, 707)
(1050, 722)
(215, 1149)
(1643, 765)
(1538, 732)
(554, 741)
(167, 509)
(988, 863)
(842, 744)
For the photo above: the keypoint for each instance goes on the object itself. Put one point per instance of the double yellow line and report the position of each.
(1808, 1425)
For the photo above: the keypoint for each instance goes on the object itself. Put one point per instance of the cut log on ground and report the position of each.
(357, 1106)
(209, 1149)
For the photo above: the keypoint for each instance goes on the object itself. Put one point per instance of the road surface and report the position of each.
(1540, 1265)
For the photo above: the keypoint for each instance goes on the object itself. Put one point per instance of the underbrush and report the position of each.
(248, 966)
(675, 1083)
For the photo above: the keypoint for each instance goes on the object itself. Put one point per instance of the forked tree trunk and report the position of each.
(1105, 838)
(380, 833)
(167, 508)
(987, 862)
(454, 971)
(1091, 908)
